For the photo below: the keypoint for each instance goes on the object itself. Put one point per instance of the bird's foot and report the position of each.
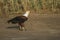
(22, 29)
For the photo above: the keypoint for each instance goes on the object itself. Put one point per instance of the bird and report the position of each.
(20, 20)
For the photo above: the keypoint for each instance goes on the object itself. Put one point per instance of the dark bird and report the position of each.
(20, 20)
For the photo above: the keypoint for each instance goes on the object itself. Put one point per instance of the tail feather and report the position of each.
(13, 21)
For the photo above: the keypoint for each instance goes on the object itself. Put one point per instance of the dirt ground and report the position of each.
(39, 27)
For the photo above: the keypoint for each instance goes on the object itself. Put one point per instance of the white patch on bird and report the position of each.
(26, 14)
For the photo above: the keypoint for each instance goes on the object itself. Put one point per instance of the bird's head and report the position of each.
(26, 14)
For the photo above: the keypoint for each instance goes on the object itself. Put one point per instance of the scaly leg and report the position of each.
(21, 26)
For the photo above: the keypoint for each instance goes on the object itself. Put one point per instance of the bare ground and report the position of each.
(39, 27)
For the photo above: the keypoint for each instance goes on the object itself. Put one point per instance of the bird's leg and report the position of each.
(21, 26)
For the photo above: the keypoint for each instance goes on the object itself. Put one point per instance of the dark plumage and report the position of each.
(18, 19)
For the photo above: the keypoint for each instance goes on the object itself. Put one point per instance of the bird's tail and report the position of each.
(8, 21)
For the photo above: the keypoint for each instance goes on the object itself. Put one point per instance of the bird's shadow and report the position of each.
(13, 27)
